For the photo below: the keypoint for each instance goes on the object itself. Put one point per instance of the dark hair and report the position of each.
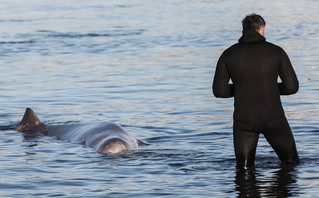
(253, 22)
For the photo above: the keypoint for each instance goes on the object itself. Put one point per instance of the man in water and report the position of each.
(253, 65)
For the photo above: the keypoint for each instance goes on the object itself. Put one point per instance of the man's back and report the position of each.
(253, 66)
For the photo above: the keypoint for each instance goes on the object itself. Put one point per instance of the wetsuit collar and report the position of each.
(251, 36)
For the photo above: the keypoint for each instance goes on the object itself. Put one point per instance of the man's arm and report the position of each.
(221, 88)
(290, 84)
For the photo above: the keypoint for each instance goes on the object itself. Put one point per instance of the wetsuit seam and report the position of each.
(260, 128)
(266, 125)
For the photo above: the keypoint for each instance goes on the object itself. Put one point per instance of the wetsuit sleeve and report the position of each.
(290, 84)
(221, 86)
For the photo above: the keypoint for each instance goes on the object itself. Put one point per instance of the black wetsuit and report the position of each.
(253, 65)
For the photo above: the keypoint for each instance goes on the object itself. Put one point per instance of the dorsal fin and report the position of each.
(29, 121)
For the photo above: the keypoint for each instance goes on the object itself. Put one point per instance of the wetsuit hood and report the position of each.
(251, 36)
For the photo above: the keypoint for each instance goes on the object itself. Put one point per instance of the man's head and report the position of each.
(254, 22)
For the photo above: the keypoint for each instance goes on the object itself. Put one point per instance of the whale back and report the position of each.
(29, 122)
(104, 137)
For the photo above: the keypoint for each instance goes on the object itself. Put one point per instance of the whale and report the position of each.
(105, 137)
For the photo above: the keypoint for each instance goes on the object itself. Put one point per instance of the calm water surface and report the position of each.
(147, 65)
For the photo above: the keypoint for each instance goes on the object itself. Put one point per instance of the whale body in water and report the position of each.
(108, 138)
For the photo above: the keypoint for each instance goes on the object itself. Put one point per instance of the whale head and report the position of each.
(113, 145)
(29, 122)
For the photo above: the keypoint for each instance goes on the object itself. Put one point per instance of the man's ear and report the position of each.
(262, 31)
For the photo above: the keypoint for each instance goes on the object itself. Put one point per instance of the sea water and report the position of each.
(148, 66)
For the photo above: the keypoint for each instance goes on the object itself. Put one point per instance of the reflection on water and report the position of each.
(279, 182)
(246, 183)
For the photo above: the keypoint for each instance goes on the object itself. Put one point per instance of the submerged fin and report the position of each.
(29, 121)
(140, 143)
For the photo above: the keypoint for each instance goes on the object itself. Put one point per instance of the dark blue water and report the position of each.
(148, 66)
